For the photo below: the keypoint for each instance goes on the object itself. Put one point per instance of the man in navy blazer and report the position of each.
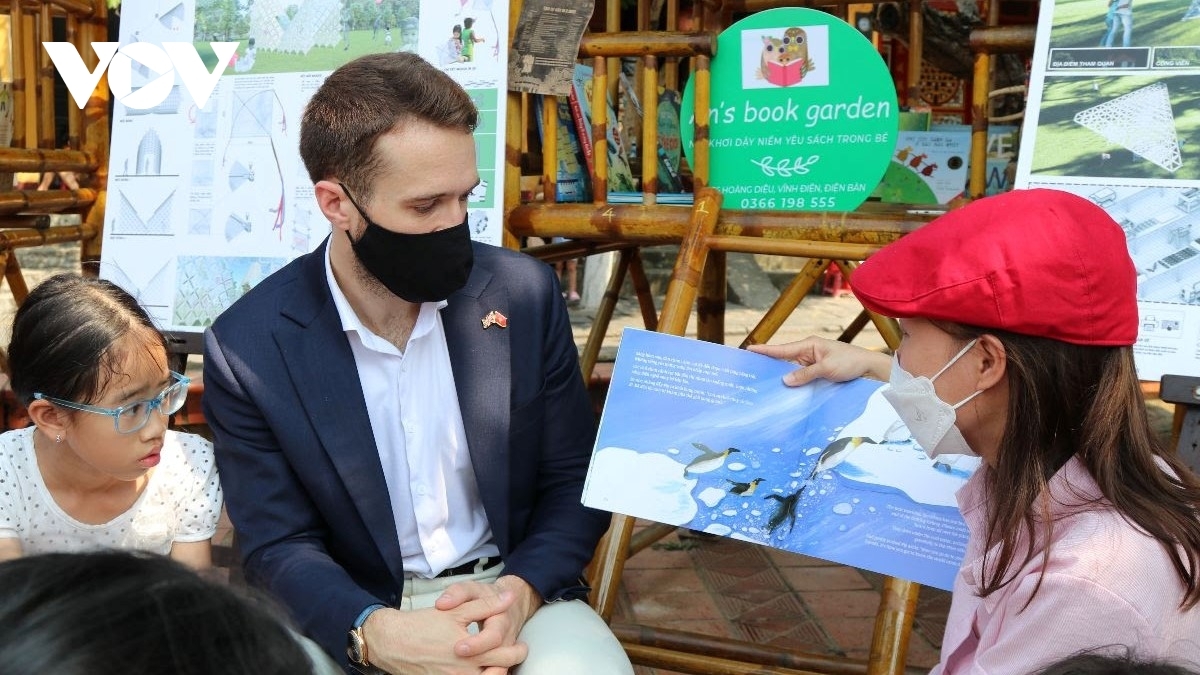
(401, 427)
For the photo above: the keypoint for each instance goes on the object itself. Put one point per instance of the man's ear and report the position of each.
(48, 417)
(994, 363)
(334, 204)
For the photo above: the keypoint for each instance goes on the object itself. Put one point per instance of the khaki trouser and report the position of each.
(563, 637)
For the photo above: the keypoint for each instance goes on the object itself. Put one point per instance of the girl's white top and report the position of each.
(180, 503)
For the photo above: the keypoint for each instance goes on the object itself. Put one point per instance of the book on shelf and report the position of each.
(573, 180)
(707, 437)
(620, 176)
(583, 129)
(667, 125)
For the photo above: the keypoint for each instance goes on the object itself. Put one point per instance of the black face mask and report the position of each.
(415, 267)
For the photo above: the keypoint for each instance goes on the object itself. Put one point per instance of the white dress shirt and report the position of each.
(415, 416)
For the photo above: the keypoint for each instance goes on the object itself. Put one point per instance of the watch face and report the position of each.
(355, 650)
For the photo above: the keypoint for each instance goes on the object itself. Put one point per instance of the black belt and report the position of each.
(471, 567)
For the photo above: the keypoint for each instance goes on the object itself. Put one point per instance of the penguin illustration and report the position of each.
(836, 452)
(711, 459)
(743, 489)
(786, 511)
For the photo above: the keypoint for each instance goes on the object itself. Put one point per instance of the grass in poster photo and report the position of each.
(1066, 148)
(289, 36)
(264, 61)
(1156, 23)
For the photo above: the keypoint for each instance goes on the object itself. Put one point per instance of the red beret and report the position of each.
(1036, 262)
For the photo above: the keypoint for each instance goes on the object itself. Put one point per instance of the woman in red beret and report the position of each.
(1018, 315)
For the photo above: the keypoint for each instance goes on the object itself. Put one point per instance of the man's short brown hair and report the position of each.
(367, 98)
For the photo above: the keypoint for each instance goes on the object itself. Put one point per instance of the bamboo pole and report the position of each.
(612, 67)
(512, 142)
(46, 132)
(893, 627)
(787, 302)
(23, 159)
(649, 147)
(94, 139)
(17, 30)
(700, 147)
(656, 43)
(549, 149)
(916, 25)
(977, 181)
(693, 249)
(74, 114)
(671, 77)
(599, 131)
(637, 224)
(47, 201)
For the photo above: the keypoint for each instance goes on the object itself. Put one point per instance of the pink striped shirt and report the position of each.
(1106, 584)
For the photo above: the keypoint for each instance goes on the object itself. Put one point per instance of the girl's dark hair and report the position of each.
(1067, 400)
(64, 334)
(117, 612)
(1100, 662)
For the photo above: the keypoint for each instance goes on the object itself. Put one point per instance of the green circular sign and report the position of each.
(803, 113)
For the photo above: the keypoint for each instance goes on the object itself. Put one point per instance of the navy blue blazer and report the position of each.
(303, 483)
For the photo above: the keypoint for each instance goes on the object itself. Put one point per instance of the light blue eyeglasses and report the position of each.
(129, 418)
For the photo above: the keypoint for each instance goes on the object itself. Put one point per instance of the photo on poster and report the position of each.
(290, 36)
(1101, 23)
(1127, 126)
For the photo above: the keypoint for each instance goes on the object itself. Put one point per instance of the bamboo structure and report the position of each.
(24, 214)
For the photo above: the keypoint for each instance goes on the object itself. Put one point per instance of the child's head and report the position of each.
(74, 336)
(1097, 663)
(456, 31)
(158, 616)
(468, 22)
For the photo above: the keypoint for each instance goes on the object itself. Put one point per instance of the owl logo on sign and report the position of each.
(785, 60)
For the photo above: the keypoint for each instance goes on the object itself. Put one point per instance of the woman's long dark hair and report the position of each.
(1067, 400)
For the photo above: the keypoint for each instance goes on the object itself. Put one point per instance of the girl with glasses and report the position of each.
(98, 467)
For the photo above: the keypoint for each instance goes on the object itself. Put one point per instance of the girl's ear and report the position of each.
(994, 362)
(49, 418)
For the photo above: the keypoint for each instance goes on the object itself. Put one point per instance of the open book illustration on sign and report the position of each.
(708, 437)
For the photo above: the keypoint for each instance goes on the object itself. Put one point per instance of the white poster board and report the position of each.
(204, 203)
(1112, 116)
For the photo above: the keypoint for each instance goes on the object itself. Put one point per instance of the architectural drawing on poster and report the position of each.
(225, 183)
(1141, 122)
(251, 161)
(206, 285)
(142, 214)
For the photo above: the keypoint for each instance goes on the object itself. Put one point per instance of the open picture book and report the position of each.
(708, 437)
